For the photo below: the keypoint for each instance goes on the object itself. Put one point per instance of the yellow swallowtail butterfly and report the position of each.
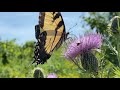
(50, 34)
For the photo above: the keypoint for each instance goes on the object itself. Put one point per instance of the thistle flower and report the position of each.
(83, 44)
(83, 47)
(52, 75)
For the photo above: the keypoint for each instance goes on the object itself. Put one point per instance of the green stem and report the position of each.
(118, 48)
(111, 47)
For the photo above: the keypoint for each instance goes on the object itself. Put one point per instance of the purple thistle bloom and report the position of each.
(83, 44)
(52, 75)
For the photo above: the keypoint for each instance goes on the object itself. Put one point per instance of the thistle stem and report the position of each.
(118, 48)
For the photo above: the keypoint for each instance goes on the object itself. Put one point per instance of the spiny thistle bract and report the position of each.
(38, 73)
(89, 62)
(83, 47)
(114, 25)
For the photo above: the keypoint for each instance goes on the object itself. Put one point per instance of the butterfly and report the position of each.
(50, 34)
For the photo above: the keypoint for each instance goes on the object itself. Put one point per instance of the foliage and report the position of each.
(18, 62)
(109, 56)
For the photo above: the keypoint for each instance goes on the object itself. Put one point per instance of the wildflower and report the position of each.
(83, 47)
(52, 75)
(83, 44)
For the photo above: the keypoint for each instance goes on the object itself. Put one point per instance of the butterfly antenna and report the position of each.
(72, 28)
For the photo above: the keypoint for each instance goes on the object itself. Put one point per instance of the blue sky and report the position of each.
(20, 25)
